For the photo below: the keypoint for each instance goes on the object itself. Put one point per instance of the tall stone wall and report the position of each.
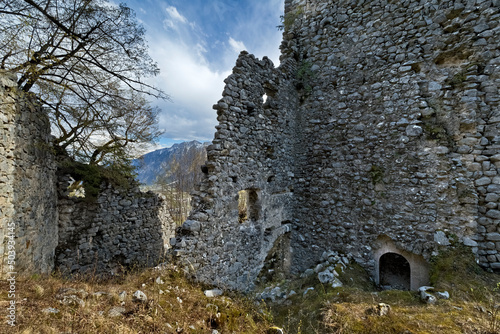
(251, 160)
(402, 120)
(121, 228)
(383, 131)
(28, 214)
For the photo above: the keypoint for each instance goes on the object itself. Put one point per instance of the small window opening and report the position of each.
(394, 272)
(76, 189)
(248, 207)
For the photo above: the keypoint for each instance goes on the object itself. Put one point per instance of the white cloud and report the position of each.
(190, 71)
(175, 15)
(194, 87)
(237, 46)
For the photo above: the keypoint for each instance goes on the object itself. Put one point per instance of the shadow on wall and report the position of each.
(399, 269)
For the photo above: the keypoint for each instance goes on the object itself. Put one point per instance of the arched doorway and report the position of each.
(394, 272)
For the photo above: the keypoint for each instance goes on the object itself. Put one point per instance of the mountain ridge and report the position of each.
(154, 164)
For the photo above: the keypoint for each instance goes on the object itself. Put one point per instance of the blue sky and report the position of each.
(196, 43)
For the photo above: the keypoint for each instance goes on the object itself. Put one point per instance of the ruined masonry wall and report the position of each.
(122, 228)
(253, 149)
(403, 122)
(387, 124)
(27, 175)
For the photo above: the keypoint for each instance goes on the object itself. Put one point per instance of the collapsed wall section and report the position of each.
(38, 223)
(400, 109)
(244, 206)
(28, 213)
(122, 228)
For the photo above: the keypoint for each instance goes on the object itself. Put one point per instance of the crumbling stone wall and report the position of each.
(40, 222)
(122, 228)
(253, 151)
(28, 198)
(390, 114)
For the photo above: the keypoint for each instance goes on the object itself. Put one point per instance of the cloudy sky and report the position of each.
(196, 43)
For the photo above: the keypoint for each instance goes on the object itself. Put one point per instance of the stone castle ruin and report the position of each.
(42, 228)
(377, 137)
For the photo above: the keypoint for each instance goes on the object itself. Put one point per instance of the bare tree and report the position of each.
(179, 178)
(87, 61)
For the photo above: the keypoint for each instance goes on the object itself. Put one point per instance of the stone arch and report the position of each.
(395, 264)
(394, 271)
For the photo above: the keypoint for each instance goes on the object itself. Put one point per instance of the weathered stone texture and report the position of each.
(253, 150)
(121, 228)
(406, 95)
(27, 175)
(387, 126)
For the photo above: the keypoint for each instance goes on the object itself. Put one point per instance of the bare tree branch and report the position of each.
(87, 61)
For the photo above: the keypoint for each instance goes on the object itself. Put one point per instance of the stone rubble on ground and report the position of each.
(99, 294)
(213, 293)
(72, 300)
(72, 297)
(122, 295)
(330, 266)
(116, 311)
(50, 310)
(383, 309)
(139, 297)
(428, 295)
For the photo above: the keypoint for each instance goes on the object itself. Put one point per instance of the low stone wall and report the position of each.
(121, 228)
(28, 198)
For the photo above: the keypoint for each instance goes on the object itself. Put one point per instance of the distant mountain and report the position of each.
(157, 164)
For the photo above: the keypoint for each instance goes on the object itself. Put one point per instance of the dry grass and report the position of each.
(474, 306)
(176, 306)
(446, 317)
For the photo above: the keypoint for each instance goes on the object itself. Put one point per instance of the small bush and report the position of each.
(93, 176)
(304, 77)
(289, 19)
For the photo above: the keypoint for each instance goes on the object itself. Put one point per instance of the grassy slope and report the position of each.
(474, 306)
(180, 306)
